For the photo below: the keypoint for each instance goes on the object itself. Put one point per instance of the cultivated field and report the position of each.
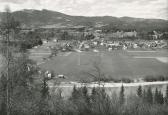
(115, 64)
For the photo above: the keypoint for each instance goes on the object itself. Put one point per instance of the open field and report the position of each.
(115, 64)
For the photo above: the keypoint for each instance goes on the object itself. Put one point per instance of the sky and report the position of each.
(157, 9)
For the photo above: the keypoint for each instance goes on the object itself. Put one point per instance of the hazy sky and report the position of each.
(119, 8)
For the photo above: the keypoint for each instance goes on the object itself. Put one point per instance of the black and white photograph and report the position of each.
(83, 57)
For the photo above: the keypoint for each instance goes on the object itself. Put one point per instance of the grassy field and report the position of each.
(115, 64)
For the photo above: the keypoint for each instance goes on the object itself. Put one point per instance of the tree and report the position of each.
(45, 89)
(160, 98)
(7, 28)
(101, 102)
(75, 93)
(93, 94)
(139, 91)
(149, 96)
(166, 97)
(93, 91)
(156, 96)
(121, 96)
(40, 42)
(17, 88)
(21, 90)
(65, 35)
(144, 95)
(89, 37)
(85, 94)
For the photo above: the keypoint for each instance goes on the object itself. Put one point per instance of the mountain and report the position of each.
(47, 18)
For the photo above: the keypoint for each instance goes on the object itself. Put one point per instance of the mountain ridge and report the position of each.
(38, 18)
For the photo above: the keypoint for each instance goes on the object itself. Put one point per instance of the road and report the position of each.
(106, 84)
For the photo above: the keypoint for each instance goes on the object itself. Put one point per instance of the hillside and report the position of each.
(55, 19)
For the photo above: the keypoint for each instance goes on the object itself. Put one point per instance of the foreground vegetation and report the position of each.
(26, 100)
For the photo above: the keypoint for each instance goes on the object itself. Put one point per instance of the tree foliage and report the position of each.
(139, 91)
(122, 96)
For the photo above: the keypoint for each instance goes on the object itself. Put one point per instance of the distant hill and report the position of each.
(47, 18)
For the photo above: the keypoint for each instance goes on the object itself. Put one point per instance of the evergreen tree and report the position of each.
(75, 93)
(86, 100)
(144, 95)
(156, 96)
(93, 91)
(121, 96)
(84, 91)
(139, 91)
(45, 89)
(93, 94)
(85, 94)
(160, 98)
(166, 96)
(149, 96)
(103, 93)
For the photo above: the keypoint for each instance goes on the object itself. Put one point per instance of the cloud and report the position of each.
(119, 8)
(13, 1)
(19, 2)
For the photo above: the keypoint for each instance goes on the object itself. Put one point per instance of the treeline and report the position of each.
(25, 41)
(143, 26)
(152, 78)
(17, 38)
(144, 30)
(29, 40)
(75, 36)
(148, 78)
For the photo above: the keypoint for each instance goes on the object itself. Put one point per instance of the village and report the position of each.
(77, 39)
(89, 39)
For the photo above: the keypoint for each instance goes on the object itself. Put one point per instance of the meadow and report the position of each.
(117, 64)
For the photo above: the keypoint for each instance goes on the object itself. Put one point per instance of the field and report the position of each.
(78, 66)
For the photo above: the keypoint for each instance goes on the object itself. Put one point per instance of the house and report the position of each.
(130, 34)
(155, 35)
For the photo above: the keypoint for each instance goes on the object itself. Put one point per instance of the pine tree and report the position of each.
(103, 93)
(156, 96)
(121, 97)
(85, 94)
(93, 94)
(160, 99)
(166, 96)
(84, 91)
(75, 93)
(93, 91)
(139, 91)
(144, 95)
(149, 96)
(45, 89)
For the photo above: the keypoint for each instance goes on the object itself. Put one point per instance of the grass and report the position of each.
(114, 65)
